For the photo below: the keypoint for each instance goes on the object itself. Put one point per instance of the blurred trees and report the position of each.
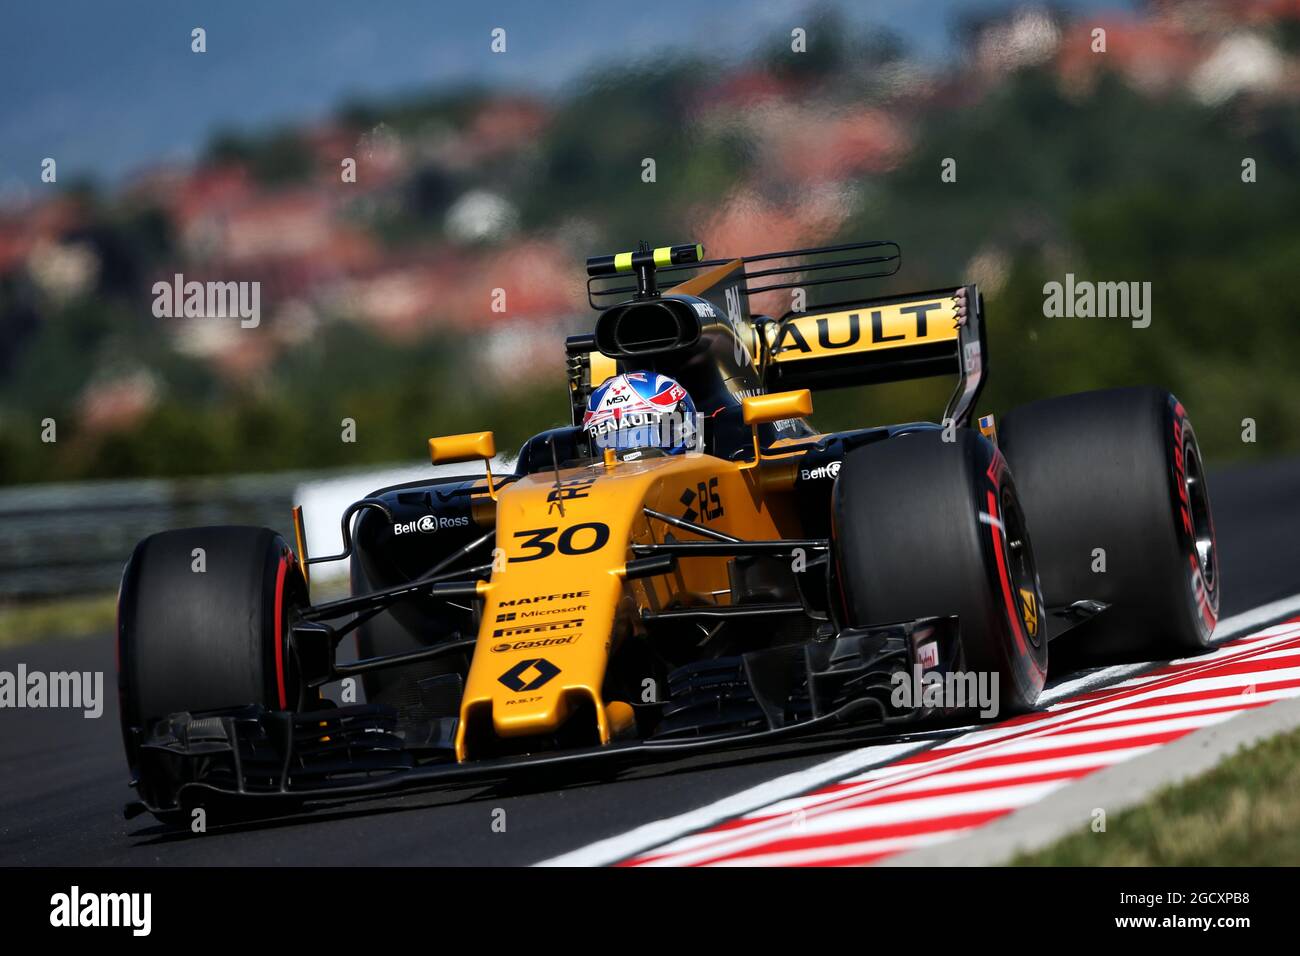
(1116, 187)
(1111, 186)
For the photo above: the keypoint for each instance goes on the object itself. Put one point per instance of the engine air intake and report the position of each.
(647, 327)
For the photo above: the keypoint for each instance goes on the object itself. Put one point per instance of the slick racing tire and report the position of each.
(203, 624)
(1114, 491)
(925, 527)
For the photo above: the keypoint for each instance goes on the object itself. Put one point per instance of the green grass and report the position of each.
(1244, 812)
(67, 617)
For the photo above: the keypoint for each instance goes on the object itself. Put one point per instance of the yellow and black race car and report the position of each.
(748, 579)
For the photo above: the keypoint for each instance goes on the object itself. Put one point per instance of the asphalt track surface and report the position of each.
(64, 776)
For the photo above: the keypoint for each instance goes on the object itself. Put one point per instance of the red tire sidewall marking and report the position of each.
(280, 573)
(1205, 599)
(996, 475)
(1004, 575)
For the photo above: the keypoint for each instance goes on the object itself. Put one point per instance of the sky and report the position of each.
(108, 86)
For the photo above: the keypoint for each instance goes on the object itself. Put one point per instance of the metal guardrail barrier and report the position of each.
(64, 539)
(58, 540)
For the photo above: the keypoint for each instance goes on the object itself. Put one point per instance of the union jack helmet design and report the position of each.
(641, 410)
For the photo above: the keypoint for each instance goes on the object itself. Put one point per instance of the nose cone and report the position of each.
(548, 615)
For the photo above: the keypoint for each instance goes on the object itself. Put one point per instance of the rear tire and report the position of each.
(913, 538)
(1119, 470)
(193, 640)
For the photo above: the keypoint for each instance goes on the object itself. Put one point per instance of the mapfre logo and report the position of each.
(544, 598)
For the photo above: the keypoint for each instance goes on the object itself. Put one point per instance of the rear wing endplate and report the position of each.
(883, 340)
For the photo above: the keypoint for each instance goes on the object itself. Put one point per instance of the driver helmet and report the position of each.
(641, 410)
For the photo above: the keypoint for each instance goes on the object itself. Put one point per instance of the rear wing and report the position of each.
(845, 338)
(883, 340)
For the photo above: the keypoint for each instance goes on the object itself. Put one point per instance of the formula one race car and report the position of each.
(686, 565)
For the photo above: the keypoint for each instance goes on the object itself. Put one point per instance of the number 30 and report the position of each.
(538, 540)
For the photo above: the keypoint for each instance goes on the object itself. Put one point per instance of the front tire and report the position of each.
(926, 527)
(203, 624)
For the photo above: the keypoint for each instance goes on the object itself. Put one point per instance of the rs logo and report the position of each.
(706, 496)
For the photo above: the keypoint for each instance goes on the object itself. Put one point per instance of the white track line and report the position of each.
(1256, 617)
(624, 845)
(887, 845)
(1225, 630)
(846, 810)
(882, 815)
(790, 786)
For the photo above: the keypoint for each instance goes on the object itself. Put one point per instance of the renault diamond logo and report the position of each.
(542, 671)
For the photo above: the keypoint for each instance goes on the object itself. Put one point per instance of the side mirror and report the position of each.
(455, 448)
(472, 446)
(764, 409)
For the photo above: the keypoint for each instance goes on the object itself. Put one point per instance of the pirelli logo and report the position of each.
(546, 627)
(867, 329)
